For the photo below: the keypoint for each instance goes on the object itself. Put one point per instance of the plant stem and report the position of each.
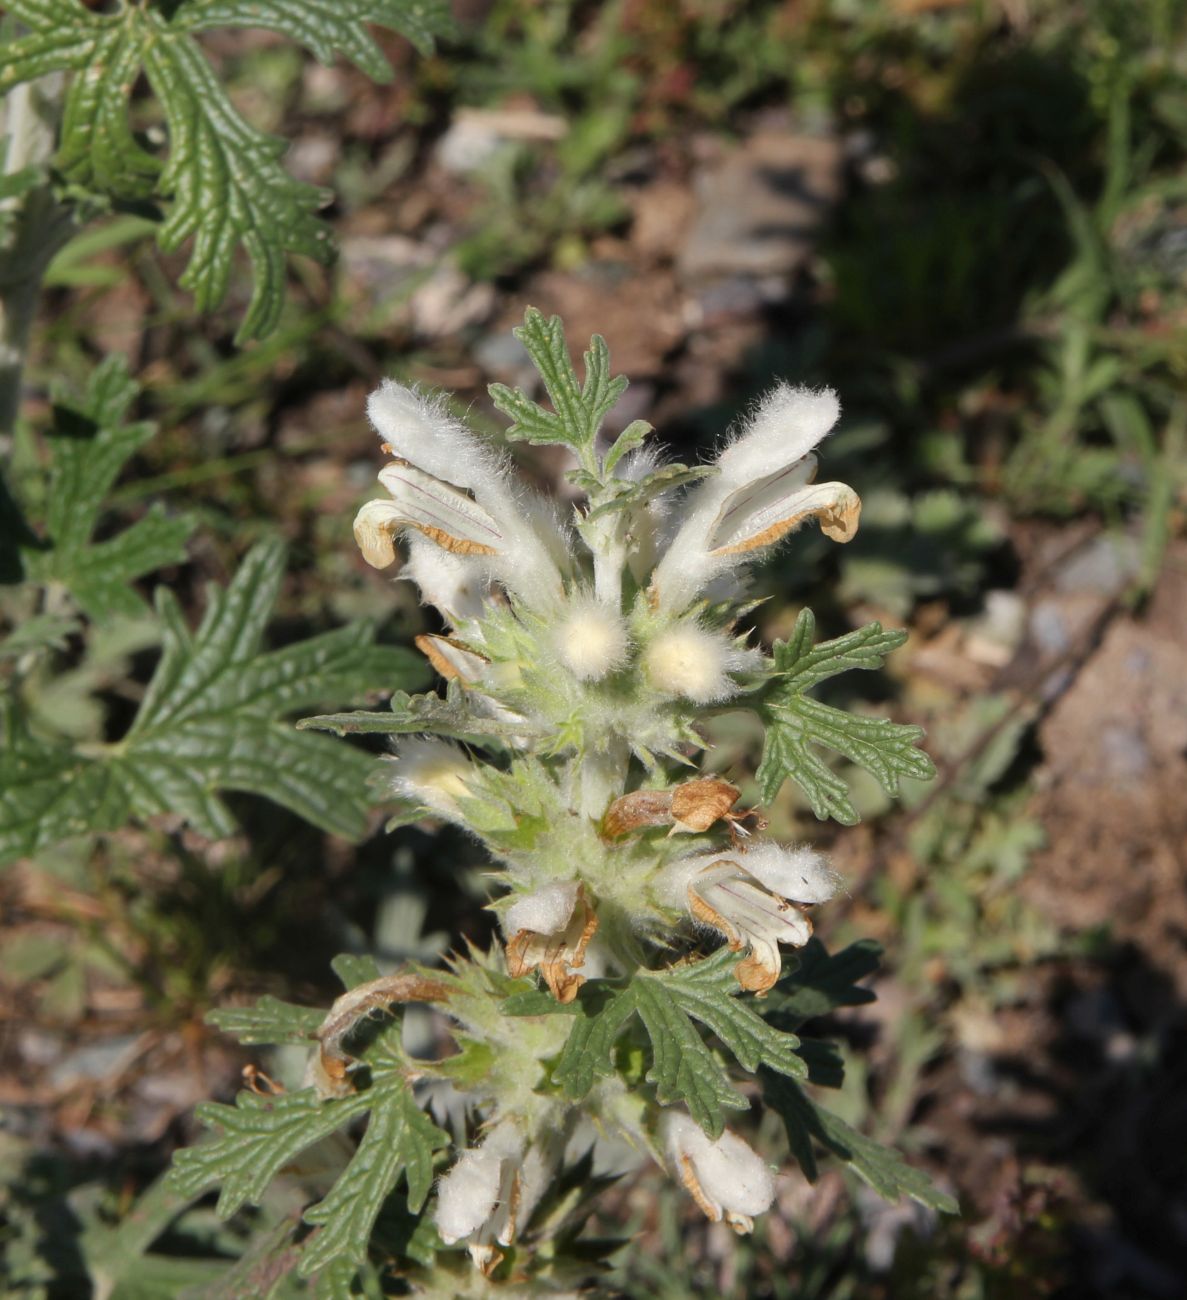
(40, 225)
(115, 1257)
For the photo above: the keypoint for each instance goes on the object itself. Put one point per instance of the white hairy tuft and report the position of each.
(784, 426)
(592, 640)
(690, 661)
(800, 875)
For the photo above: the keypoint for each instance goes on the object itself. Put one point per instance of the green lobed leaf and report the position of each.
(683, 1068)
(802, 664)
(222, 179)
(228, 188)
(796, 723)
(257, 1138)
(269, 1020)
(211, 720)
(881, 1167)
(578, 408)
(708, 991)
(400, 1139)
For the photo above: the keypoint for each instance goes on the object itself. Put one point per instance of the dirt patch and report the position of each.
(1111, 787)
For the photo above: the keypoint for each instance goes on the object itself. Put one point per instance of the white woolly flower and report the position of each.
(726, 1178)
(451, 488)
(691, 661)
(467, 1195)
(432, 772)
(754, 899)
(762, 491)
(492, 1190)
(591, 640)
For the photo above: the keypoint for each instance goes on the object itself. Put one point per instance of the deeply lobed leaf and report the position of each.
(211, 720)
(222, 179)
(91, 442)
(802, 664)
(578, 407)
(400, 1139)
(881, 1167)
(821, 982)
(258, 1137)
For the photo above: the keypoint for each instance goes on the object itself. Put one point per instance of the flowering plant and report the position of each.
(655, 945)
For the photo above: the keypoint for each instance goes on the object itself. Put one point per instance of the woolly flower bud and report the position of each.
(545, 911)
(726, 1178)
(690, 661)
(592, 641)
(451, 487)
(432, 772)
(468, 1194)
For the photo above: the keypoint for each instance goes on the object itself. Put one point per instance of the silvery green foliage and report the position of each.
(644, 971)
(220, 180)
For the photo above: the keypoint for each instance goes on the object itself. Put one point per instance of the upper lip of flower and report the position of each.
(762, 491)
(445, 483)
